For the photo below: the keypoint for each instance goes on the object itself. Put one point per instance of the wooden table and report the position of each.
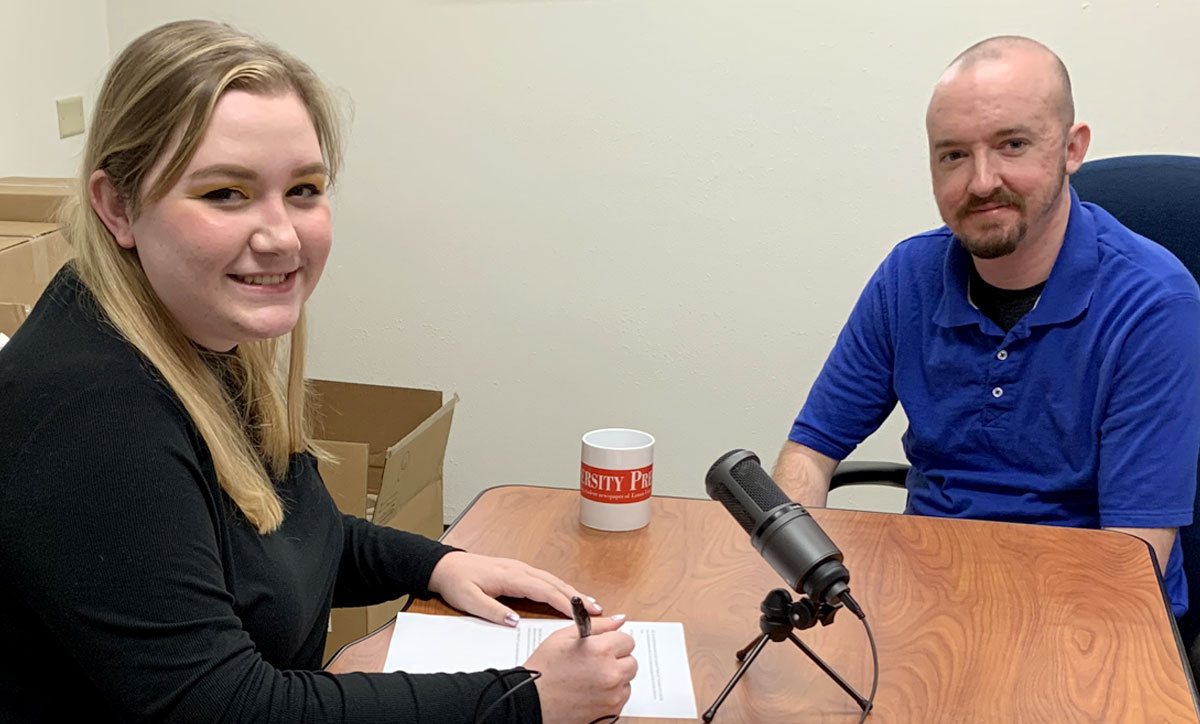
(975, 621)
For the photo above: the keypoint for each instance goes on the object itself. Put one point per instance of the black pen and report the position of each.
(582, 620)
(584, 623)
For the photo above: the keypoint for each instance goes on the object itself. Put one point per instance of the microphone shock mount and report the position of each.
(780, 617)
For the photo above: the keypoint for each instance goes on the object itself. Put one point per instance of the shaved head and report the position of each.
(1002, 141)
(1004, 48)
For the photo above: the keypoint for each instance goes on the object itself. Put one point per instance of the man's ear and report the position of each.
(112, 209)
(1079, 137)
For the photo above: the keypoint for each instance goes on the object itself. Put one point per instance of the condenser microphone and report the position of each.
(781, 530)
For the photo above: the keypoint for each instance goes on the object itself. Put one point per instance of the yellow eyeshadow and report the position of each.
(202, 190)
(316, 179)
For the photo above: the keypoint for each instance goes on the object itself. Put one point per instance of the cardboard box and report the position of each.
(31, 246)
(11, 316)
(25, 198)
(391, 445)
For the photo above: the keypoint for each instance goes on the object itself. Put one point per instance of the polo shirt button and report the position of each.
(996, 392)
(1002, 355)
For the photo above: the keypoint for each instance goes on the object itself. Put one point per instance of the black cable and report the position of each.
(500, 677)
(875, 677)
(851, 604)
(857, 610)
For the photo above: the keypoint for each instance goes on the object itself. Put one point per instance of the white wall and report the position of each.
(649, 213)
(49, 49)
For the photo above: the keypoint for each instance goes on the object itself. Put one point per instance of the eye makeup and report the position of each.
(213, 191)
(316, 180)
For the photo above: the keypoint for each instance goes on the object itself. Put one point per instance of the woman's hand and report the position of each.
(584, 679)
(471, 583)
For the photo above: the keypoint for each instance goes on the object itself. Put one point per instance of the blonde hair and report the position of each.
(161, 91)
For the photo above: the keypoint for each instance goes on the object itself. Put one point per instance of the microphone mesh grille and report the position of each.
(740, 514)
(758, 484)
(718, 491)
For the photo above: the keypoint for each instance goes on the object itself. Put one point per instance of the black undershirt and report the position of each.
(1005, 307)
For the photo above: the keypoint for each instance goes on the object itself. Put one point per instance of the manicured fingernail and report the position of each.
(619, 617)
(595, 605)
(512, 619)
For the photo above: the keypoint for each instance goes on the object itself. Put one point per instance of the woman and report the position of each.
(167, 549)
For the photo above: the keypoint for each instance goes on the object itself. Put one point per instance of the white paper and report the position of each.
(3, 339)
(423, 644)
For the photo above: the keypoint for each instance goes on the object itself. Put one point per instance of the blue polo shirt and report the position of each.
(1086, 413)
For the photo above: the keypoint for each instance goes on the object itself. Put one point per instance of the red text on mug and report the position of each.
(615, 486)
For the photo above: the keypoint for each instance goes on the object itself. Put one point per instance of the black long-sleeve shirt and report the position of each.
(131, 588)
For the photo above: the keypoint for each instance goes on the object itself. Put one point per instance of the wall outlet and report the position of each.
(70, 116)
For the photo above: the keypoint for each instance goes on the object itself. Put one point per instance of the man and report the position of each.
(1047, 358)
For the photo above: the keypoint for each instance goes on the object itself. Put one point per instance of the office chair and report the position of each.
(1157, 196)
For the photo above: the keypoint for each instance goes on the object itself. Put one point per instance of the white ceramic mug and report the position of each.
(615, 475)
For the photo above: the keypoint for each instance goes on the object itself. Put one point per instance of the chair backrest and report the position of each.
(1159, 198)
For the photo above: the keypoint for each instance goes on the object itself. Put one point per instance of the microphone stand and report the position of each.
(780, 616)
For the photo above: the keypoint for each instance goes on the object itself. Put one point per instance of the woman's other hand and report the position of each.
(471, 583)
